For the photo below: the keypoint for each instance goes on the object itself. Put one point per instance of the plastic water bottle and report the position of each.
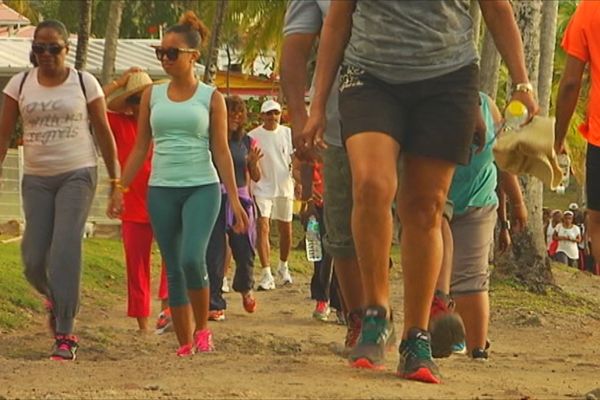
(314, 252)
(515, 115)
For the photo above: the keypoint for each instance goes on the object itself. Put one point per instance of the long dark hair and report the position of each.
(236, 104)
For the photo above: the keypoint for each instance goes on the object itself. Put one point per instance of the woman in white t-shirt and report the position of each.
(568, 236)
(56, 104)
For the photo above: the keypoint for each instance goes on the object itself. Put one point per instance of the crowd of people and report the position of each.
(396, 121)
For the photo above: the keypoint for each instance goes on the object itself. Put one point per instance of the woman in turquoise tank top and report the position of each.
(187, 122)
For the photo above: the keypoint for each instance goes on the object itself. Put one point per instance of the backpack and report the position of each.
(79, 74)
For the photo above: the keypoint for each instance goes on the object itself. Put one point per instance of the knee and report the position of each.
(262, 227)
(423, 210)
(374, 191)
(196, 273)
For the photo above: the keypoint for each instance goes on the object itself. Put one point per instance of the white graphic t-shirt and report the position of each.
(56, 134)
(275, 166)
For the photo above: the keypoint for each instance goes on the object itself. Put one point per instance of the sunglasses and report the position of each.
(172, 53)
(52, 48)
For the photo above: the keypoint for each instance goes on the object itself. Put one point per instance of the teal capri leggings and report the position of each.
(182, 221)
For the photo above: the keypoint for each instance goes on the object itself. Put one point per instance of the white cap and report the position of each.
(270, 105)
(568, 213)
(573, 207)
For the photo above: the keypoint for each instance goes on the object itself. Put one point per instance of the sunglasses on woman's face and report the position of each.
(52, 48)
(172, 53)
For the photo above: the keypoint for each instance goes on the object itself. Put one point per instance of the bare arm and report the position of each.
(104, 136)
(334, 38)
(566, 99)
(499, 18)
(294, 59)
(222, 157)
(142, 141)
(8, 121)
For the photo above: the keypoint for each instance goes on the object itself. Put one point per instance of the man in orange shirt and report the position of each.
(581, 42)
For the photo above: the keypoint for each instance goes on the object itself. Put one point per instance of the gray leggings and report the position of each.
(56, 208)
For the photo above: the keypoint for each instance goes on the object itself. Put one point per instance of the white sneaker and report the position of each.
(225, 286)
(267, 282)
(284, 275)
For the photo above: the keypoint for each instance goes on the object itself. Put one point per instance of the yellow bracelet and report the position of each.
(121, 188)
(114, 180)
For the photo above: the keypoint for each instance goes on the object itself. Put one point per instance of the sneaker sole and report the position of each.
(365, 363)
(166, 329)
(421, 375)
(59, 358)
(320, 318)
(445, 333)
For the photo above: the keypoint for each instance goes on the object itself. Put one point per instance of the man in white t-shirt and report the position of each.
(274, 193)
(568, 236)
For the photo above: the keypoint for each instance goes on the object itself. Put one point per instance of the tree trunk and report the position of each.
(489, 66)
(111, 40)
(83, 35)
(530, 263)
(213, 51)
(547, 47)
(476, 16)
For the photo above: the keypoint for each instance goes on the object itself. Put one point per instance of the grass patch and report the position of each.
(103, 280)
(511, 295)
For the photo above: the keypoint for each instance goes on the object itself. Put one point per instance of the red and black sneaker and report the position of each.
(65, 348)
(416, 362)
(446, 327)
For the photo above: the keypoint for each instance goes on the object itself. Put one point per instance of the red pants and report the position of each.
(137, 242)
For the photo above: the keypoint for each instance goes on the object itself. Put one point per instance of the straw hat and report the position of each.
(137, 82)
(530, 150)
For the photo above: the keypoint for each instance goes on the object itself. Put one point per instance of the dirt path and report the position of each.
(280, 352)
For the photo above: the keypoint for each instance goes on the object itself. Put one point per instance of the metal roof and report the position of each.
(14, 56)
(8, 16)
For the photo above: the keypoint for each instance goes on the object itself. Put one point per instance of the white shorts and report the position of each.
(279, 208)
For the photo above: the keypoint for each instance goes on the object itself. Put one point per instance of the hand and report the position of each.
(527, 99)
(308, 210)
(240, 218)
(504, 241)
(559, 146)
(311, 137)
(254, 155)
(115, 204)
(519, 217)
(480, 132)
(122, 80)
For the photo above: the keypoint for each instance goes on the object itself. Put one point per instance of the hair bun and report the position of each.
(190, 19)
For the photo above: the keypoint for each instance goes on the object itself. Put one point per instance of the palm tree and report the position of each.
(111, 39)
(83, 35)
(213, 50)
(530, 264)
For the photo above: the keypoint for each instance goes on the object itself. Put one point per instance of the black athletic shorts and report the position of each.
(432, 118)
(592, 177)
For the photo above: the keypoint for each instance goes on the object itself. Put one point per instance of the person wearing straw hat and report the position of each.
(123, 98)
(581, 42)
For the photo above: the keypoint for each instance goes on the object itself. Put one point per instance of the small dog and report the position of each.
(89, 229)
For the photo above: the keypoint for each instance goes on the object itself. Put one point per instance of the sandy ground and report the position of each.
(280, 352)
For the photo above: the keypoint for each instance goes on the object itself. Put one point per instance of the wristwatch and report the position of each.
(525, 87)
(505, 225)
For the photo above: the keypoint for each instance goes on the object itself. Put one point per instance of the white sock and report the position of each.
(266, 271)
(283, 264)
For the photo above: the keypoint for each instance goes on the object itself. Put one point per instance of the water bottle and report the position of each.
(314, 251)
(515, 115)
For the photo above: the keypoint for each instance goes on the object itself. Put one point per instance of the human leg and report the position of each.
(215, 261)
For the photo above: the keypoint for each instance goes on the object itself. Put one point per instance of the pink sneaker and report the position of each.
(186, 350)
(203, 341)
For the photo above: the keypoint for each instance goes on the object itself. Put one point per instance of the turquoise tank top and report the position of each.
(474, 185)
(181, 156)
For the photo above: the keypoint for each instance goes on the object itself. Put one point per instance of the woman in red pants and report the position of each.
(123, 103)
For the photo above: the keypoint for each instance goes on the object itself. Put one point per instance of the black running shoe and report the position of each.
(376, 335)
(416, 362)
